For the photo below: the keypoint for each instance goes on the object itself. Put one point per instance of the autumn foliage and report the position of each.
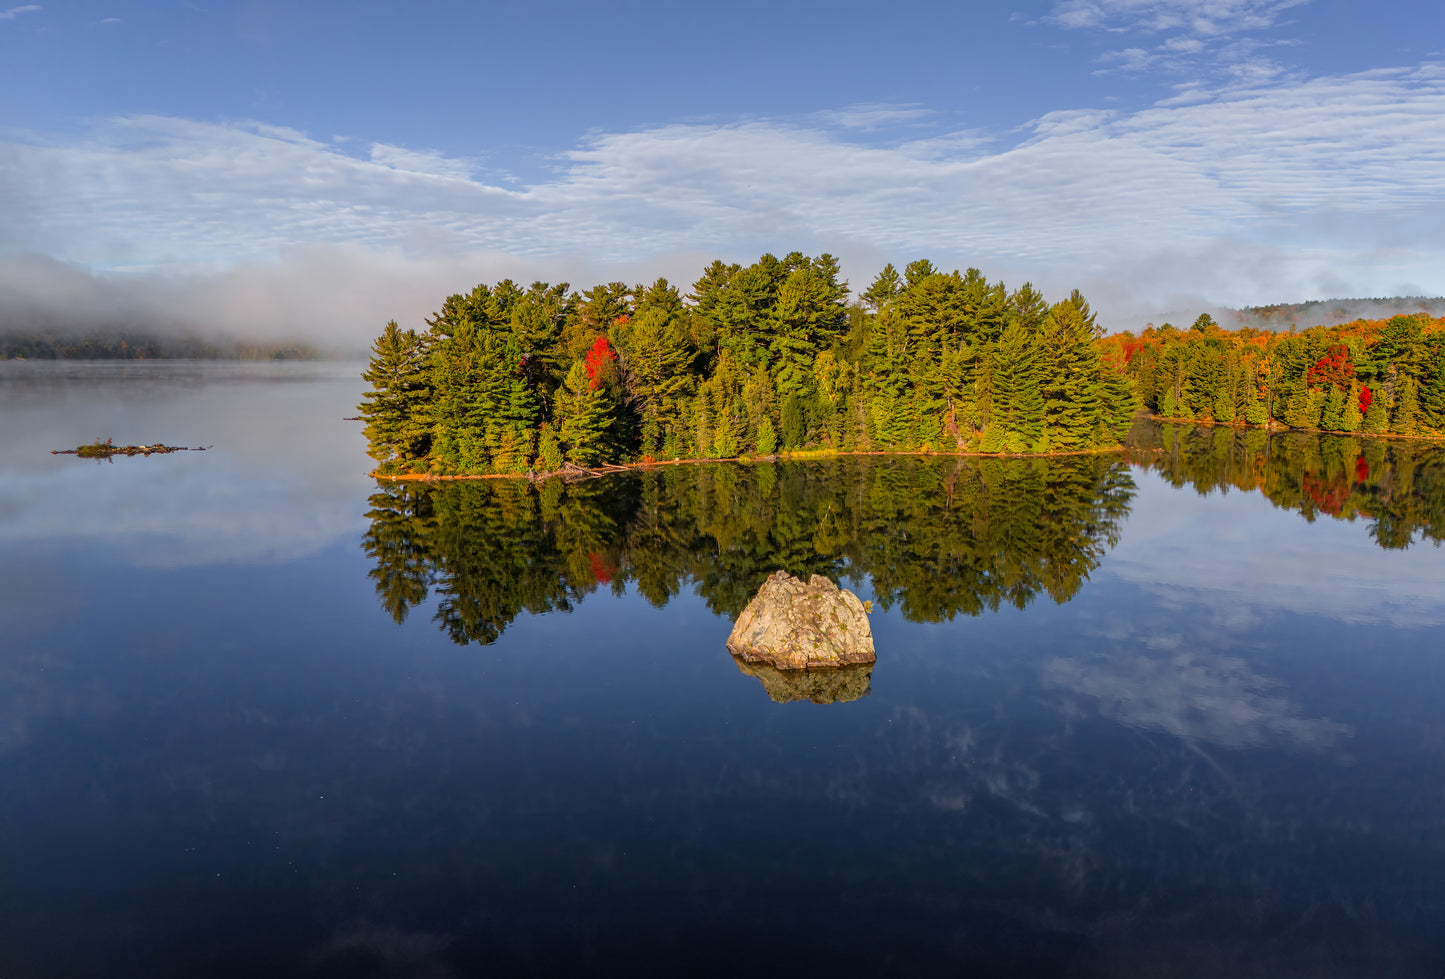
(1334, 369)
(601, 567)
(601, 363)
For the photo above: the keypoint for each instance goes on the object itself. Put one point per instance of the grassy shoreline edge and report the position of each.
(578, 472)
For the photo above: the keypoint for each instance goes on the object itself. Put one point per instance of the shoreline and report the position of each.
(1272, 426)
(799, 456)
(805, 455)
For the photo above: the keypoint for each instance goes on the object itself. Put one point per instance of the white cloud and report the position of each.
(1207, 18)
(425, 162)
(873, 115)
(1251, 194)
(14, 12)
(1202, 35)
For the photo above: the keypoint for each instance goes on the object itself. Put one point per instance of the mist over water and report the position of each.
(338, 298)
(261, 715)
(278, 473)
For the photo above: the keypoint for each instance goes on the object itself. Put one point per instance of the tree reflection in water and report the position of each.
(936, 536)
(1398, 485)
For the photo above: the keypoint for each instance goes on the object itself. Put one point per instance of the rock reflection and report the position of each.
(935, 536)
(826, 685)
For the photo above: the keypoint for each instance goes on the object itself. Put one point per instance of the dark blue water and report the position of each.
(1209, 742)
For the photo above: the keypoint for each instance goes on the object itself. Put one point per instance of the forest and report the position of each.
(936, 537)
(1374, 377)
(754, 360)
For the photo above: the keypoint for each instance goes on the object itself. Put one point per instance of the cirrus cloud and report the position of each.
(1248, 194)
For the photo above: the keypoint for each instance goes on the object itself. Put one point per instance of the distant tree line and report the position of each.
(52, 346)
(1329, 312)
(753, 360)
(1370, 376)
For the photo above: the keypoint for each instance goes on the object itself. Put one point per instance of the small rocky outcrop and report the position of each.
(795, 626)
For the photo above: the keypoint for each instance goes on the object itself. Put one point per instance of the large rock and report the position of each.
(795, 626)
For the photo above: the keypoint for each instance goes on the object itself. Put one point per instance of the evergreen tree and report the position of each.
(1069, 371)
(1223, 406)
(1255, 412)
(1350, 416)
(767, 439)
(1406, 420)
(1330, 420)
(584, 417)
(1297, 409)
(1169, 408)
(1017, 421)
(397, 421)
(1377, 417)
(885, 287)
(1119, 403)
(656, 355)
(1432, 388)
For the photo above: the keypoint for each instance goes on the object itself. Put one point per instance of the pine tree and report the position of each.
(1255, 411)
(1119, 403)
(1350, 417)
(1377, 418)
(1069, 375)
(794, 424)
(1223, 406)
(1297, 406)
(584, 417)
(1017, 420)
(397, 421)
(1432, 390)
(1406, 419)
(767, 439)
(549, 450)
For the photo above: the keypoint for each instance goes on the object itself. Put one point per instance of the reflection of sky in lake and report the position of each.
(278, 482)
(1240, 553)
(219, 756)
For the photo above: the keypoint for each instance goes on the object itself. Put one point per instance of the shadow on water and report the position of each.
(935, 537)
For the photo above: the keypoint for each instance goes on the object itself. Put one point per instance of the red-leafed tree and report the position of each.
(1366, 398)
(601, 363)
(1334, 369)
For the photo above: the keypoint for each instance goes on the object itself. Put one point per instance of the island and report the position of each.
(755, 360)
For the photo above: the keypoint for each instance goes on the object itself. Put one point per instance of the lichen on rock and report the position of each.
(794, 626)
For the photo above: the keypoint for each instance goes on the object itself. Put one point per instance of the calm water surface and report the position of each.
(260, 715)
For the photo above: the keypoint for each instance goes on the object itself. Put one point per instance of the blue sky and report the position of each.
(338, 164)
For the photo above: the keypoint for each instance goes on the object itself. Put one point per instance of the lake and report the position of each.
(1169, 712)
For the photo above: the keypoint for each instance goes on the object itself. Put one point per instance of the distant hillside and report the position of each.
(1326, 312)
(132, 346)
